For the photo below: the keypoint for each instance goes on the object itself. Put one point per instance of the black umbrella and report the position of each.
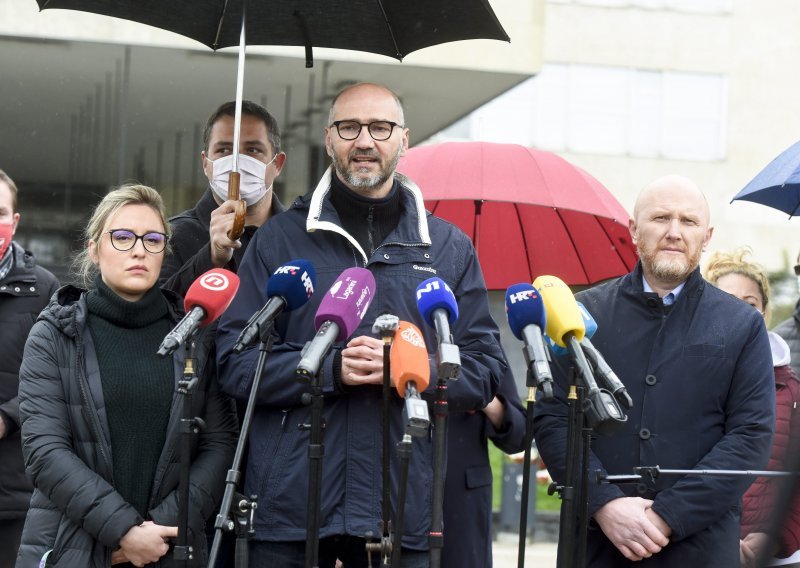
(387, 27)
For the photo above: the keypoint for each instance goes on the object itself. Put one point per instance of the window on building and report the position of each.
(611, 110)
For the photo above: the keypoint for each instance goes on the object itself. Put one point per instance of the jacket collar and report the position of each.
(67, 309)
(411, 230)
(23, 264)
(633, 283)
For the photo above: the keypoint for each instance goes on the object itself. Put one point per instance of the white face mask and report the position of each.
(252, 187)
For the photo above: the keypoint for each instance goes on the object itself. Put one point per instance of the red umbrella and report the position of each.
(528, 212)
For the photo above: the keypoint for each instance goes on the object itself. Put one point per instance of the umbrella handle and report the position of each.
(241, 207)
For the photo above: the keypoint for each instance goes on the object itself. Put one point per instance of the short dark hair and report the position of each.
(4, 177)
(248, 108)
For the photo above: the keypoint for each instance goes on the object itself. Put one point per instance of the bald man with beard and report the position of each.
(696, 362)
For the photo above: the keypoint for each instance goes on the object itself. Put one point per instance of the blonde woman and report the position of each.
(100, 415)
(734, 273)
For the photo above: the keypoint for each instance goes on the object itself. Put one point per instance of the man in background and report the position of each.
(200, 239)
(25, 289)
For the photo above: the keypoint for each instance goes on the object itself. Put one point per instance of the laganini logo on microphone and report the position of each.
(335, 288)
(522, 296)
(214, 281)
(431, 286)
(413, 337)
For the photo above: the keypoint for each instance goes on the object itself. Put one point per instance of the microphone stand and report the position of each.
(591, 409)
(385, 324)
(537, 376)
(417, 424)
(189, 426)
(316, 451)
(448, 359)
(244, 508)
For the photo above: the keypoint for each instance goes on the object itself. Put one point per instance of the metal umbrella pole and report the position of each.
(233, 180)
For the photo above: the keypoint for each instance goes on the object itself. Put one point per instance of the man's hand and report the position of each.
(362, 361)
(495, 411)
(2, 427)
(628, 525)
(221, 222)
(146, 543)
(750, 548)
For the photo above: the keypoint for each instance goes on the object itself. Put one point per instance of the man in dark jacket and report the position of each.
(789, 329)
(25, 289)
(200, 239)
(362, 213)
(697, 364)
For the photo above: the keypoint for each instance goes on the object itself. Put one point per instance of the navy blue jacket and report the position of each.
(421, 246)
(468, 485)
(701, 379)
(24, 292)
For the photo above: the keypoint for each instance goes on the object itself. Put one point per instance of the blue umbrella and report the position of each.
(777, 185)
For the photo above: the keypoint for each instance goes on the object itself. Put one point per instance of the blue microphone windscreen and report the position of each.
(434, 294)
(524, 307)
(294, 282)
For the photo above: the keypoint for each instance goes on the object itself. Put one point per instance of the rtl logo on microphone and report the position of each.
(522, 296)
(214, 281)
(431, 286)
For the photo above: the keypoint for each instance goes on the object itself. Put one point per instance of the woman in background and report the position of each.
(735, 274)
(99, 409)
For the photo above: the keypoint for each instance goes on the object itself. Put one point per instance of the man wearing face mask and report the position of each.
(200, 235)
(789, 330)
(25, 289)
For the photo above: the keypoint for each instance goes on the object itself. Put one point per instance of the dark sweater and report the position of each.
(137, 384)
(369, 220)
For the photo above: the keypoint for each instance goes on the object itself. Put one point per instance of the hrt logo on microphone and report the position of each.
(308, 284)
(522, 296)
(214, 281)
(287, 269)
(431, 286)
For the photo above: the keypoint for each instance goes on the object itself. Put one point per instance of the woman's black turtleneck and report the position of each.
(137, 384)
(368, 220)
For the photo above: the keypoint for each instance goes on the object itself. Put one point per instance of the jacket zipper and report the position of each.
(94, 419)
(370, 228)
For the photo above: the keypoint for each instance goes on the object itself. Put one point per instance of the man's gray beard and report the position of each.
(369, 182)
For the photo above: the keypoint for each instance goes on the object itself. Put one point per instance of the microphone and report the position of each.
(588, 322)
(411, 373)
(526, 318)
(437, 305)
(338, 316)
(566, 328)
(290, 287)
(205, 300)
(602, 370)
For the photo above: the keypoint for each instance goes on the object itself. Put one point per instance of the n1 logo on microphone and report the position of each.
(431, 286)
(522, 296)
(214, 281)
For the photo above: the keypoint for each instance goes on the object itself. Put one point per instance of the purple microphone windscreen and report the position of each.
(524, 307)
(346, 302)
